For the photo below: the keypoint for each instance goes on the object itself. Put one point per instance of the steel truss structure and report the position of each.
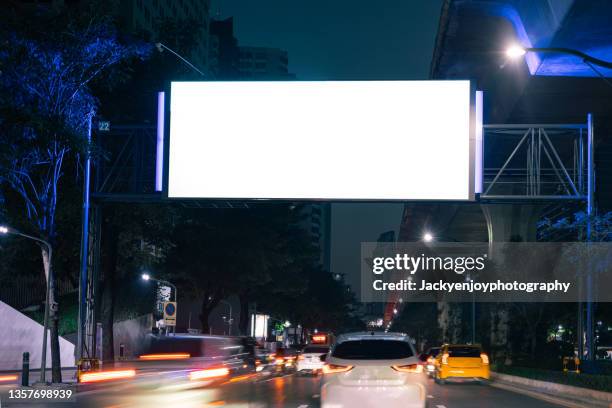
(535, 162)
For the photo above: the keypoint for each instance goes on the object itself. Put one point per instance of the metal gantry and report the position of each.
(535, 162)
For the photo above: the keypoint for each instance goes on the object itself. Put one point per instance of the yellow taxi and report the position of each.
(461, 361)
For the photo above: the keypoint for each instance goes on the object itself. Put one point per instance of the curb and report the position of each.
(565, 395)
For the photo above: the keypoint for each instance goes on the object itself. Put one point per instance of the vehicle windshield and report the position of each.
(463, 351)
(373, 350)
(318, 350)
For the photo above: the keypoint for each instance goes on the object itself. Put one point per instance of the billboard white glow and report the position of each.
(345, 140)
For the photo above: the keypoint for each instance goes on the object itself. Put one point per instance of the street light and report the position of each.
(161, 47)
(428, 237)
(516, 51)
(5, 230)
(229, 322)
(146, 277)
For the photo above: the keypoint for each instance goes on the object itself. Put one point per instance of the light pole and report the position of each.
(517, 51)
(43, 362)
(429, 237)
(230, 320)
(147, 277)
(161, 47)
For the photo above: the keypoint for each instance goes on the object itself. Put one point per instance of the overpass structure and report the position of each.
(543, 101)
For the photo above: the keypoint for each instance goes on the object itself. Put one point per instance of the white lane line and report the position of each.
(430, 396)
(303, 406)
(440, 406)
(315, 395)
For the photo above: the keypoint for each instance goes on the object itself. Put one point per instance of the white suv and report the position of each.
(372, 369)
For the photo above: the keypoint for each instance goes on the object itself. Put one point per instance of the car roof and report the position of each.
(372, 335)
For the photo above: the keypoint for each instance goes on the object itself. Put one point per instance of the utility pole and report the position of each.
(589, 332)
(84, 247)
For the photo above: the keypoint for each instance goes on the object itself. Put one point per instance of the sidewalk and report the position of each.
(564, 395)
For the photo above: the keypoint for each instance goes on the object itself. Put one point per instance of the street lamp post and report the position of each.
(161, 47)
(429, 237)
(230, 320)
(147, 277)
(43, 362)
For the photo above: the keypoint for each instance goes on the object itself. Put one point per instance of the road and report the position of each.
(164, 389)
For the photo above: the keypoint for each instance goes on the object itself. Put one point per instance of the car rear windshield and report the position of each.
(463, 351)
(373, 350)
(321, 350)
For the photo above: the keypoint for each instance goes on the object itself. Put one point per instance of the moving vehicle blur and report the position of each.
(285, 359)
(372, 369)
(430, 360)
(461, 361)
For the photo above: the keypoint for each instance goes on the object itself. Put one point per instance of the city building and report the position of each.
(223, 49)
(317, 223)
(232, 61)
(151, 17)
(263, 63)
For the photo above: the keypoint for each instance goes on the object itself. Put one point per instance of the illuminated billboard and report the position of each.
(334, 140)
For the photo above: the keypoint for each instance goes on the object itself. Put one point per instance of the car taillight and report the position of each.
(165, 356)
(208, 373)
(106, 375)
(279, 361)
(336, 368)
(485, 358)
(300, 357)
(408, 368)
(445, 358)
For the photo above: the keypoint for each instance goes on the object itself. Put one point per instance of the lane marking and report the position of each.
(440, 406)
(315, 395)
(303, 406)
(430, 396)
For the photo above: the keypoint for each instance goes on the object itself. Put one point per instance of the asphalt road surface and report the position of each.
(166, 389)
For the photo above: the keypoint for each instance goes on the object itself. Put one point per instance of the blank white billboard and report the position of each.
(344, 140)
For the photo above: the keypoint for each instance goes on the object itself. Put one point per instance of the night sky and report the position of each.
(342, 40)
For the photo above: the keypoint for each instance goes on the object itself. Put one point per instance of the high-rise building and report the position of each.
(229, 60)
(317, 223)
(263, 63)
(223, 49)
(147, 17)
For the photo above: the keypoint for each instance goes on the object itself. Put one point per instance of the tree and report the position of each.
(49, 59)
(219, 252)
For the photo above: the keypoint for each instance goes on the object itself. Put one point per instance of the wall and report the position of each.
(20, 334)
